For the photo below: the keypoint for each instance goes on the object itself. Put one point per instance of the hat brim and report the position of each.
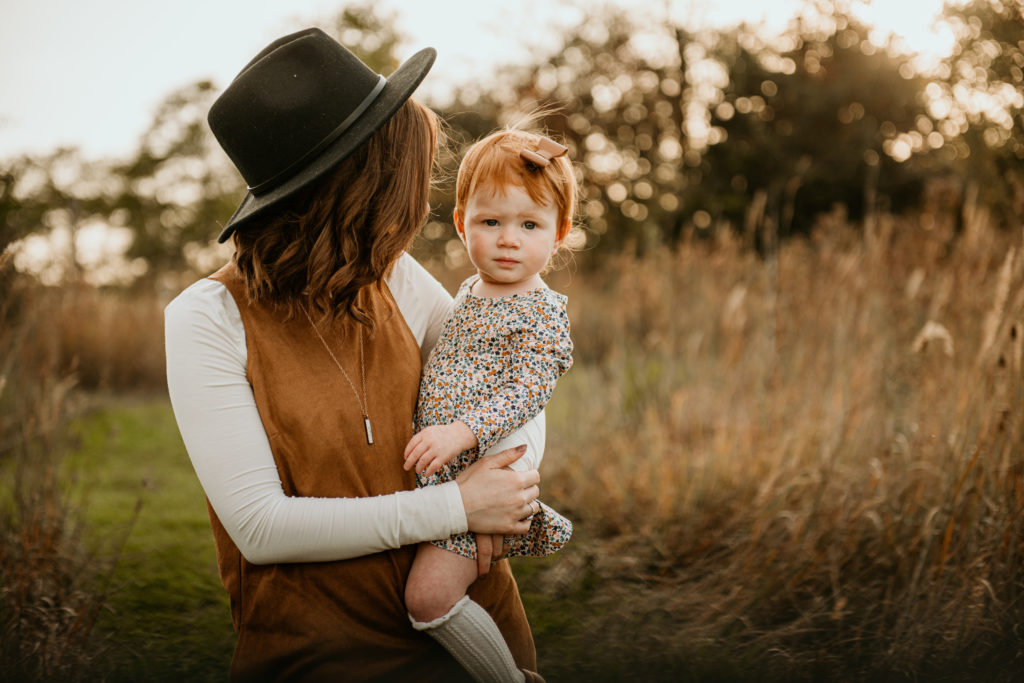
(400, 86)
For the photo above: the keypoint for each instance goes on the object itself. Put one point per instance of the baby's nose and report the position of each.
(508, 236)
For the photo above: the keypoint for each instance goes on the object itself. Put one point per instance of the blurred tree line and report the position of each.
(675, 133)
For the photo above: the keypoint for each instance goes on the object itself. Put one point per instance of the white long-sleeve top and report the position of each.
(225, 439)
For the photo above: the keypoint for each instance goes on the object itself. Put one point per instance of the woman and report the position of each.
(293, 373)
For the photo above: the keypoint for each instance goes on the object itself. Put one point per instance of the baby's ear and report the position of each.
(459, 227)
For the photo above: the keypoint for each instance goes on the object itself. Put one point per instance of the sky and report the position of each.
(90, 73)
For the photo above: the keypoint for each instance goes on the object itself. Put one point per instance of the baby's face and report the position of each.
(509, 236)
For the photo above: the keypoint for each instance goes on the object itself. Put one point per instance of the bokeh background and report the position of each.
(792, 441)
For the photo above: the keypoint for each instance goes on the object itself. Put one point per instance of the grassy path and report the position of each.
(168, 617)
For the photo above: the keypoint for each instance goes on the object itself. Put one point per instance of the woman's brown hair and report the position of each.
(321, 247)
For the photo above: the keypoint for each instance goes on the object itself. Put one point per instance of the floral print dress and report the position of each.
(494, 368)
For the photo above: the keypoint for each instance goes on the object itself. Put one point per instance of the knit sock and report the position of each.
(472, 637)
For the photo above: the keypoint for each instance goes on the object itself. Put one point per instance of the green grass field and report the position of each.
(168, 614)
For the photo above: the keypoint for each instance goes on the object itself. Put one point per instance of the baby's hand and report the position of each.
(433, 446)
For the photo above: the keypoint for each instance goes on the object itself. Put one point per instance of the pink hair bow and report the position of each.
(547, 149)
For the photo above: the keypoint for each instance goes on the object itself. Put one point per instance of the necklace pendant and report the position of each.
(369, 430)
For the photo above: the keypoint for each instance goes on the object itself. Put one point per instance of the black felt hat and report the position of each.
(297, 109)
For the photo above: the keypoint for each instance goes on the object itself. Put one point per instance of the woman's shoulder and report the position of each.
(409, 279)
(406, 268)
(205, 302)
(201, 294)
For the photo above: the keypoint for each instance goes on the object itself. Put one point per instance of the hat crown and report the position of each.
(288, 102)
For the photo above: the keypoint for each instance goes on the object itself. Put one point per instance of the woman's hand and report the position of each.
(498, 500)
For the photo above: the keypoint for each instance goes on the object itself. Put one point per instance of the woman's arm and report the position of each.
(421, 299)
(225, 439)
(532, 436)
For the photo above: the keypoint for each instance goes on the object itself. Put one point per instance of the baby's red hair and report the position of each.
(495, 162)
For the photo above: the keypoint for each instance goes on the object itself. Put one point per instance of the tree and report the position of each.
(690, 133)
(830, 118)
(178, 185)
(980, 100)
(52, 198)
(371, 33)
(621, 113)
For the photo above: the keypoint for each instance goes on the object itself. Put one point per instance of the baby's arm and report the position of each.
(438, 444)
(541, 352)
(433, 446)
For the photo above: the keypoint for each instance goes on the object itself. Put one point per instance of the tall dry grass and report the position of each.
(811, 461)
(52, 586)
(111, 340)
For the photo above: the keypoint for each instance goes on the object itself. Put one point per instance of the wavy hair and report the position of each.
(330, 241)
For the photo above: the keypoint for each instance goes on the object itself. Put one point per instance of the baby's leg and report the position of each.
(435, 596)
(438, 579)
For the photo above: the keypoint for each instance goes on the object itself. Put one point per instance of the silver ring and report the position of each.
(533, 510)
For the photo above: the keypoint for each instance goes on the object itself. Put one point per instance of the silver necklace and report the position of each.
(364, 400)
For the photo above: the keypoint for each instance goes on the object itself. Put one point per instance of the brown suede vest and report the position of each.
(339, 621)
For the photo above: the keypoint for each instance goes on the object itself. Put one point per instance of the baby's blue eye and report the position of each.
(490, 221)
(529, 225)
